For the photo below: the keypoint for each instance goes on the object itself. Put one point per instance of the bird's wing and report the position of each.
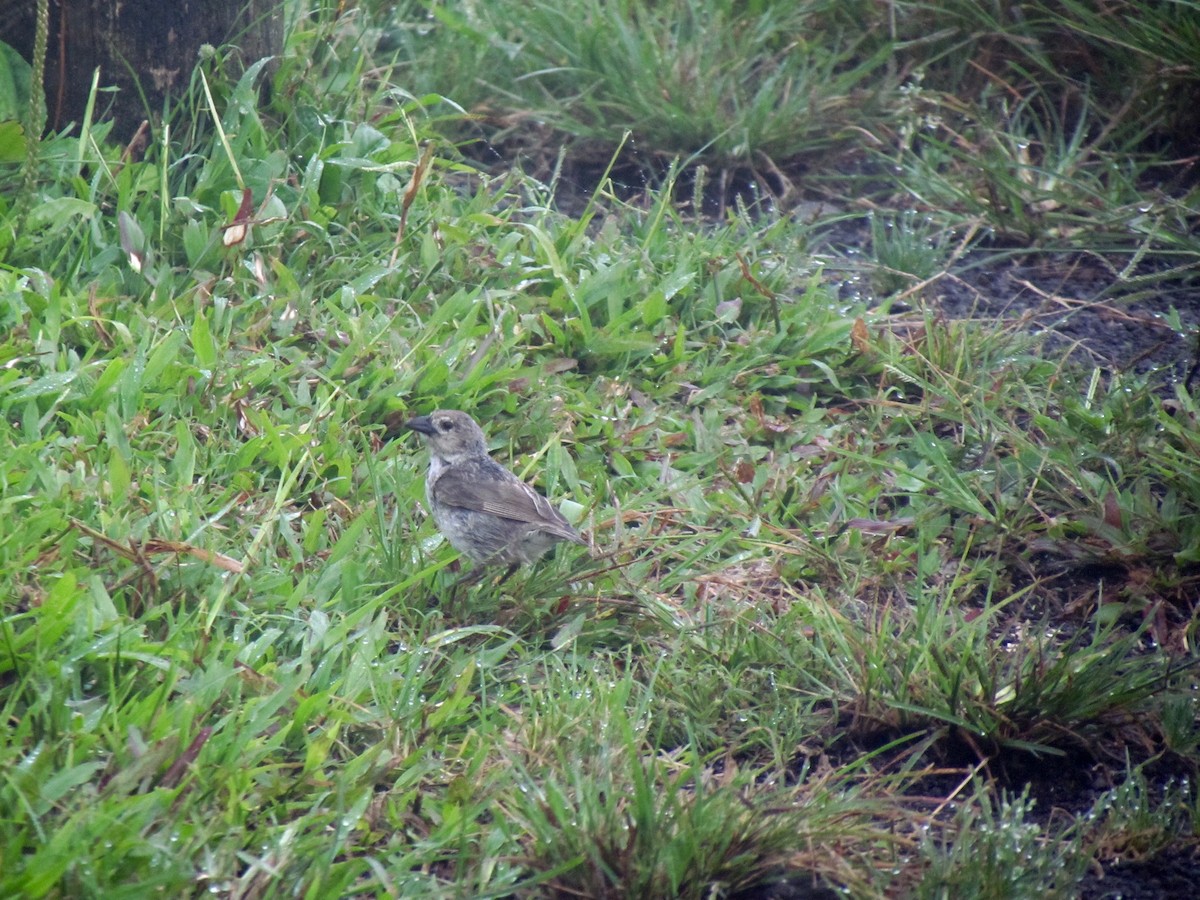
(508, 498)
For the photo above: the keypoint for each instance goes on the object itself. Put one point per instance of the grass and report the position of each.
(857, 578)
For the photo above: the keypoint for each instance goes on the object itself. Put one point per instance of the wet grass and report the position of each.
(861, 584)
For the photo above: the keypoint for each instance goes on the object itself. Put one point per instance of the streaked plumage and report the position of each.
(484, 510)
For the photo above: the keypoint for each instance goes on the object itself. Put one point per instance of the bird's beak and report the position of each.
(421, 424)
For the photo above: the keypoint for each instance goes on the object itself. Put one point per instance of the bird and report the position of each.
(485, 511)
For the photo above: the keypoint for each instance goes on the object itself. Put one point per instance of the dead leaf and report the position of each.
(860, 336)
(563, 364)
(674, 440)
(237, 230)
(1112, 510)
(410, 194)
(220, 560)
(881, 526)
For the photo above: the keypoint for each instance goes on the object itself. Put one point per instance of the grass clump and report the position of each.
(600, 813)
(718, 82)
(997, 852)
(1048, 126)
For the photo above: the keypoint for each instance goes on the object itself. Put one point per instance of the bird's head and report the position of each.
(452, 436)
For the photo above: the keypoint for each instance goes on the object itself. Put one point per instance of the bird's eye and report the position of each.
(445, 425)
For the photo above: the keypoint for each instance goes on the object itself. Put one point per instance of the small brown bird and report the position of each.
(483, 509)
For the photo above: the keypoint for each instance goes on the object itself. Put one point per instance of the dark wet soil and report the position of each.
(1078, 304)
(1171, 876)
(1124, 322)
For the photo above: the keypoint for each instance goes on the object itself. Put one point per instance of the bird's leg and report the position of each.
(476, 575)
(472, 577)
(507, 575)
